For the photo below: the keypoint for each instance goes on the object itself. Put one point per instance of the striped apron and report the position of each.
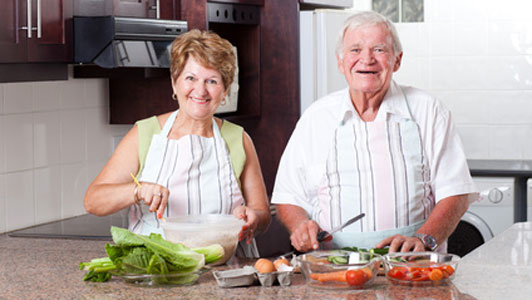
(377, 168)
(199, 174)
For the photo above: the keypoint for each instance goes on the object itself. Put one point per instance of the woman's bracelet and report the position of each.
(135, 195)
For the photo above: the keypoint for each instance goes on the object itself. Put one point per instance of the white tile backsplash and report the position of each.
(1, 99)
(506, 141)
(44, 139)
(2, 146)
(72, 96)
(441, 40)
(503, 108)
(73, 136)
(470, 39)
(47, 196)
(20, 206)
(96, 123)
(2, 203)
(18, 98)
(470, 10)
(18, 141)
(96, 94)
(479, 62)
(74, 184)
(46, 97)
(475, 139)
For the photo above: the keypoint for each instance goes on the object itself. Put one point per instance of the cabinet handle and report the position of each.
(29, 28)
(28, 19)
(157, 8)
(39, 20)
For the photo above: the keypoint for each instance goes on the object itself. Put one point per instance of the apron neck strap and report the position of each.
(406, 101)
(170, 121)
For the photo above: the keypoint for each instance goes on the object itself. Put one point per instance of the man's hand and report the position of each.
(401, 243)
(304, 237)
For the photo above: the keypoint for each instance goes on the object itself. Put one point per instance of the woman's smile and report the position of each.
(199, 90)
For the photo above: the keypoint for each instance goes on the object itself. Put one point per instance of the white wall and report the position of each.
(54, 139)
(476, 56)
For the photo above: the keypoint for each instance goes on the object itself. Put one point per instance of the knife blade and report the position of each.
(322, 235)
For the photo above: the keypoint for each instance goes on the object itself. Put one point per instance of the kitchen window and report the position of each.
(400, 11)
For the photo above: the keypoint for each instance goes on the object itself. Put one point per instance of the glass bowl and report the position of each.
(171, 279)
(420, 268)
(339, 269)
(204, 230)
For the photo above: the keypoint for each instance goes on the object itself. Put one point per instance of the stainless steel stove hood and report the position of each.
(113, 42)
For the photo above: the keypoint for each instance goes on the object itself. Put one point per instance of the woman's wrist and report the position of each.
(136, 199)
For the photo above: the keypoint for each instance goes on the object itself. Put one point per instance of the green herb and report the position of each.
(140, 254)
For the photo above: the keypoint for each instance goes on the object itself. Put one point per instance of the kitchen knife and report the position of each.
(322, 235)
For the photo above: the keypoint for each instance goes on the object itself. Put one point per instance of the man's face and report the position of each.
(368, 59)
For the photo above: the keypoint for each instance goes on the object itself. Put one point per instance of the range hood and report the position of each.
(112, 42)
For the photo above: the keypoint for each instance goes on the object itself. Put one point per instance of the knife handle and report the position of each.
(323, 236)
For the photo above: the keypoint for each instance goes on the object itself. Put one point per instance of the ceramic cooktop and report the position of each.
(81, 227)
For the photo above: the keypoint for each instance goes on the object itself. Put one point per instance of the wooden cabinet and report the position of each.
(48, 39)
(326, 3)
(155, 9)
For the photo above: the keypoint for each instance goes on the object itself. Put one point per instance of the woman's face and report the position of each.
(199, 90)
(368, 60)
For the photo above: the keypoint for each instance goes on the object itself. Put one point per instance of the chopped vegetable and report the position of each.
(435, 272)
(338, 260)
(330, 276)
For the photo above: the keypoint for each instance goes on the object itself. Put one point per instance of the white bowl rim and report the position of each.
(205, 221)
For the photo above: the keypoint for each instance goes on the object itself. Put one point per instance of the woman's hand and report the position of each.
(401, 243)
(252, 222)
(153, 195)
(304, 238)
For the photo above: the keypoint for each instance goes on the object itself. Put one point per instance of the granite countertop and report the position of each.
(39, 268)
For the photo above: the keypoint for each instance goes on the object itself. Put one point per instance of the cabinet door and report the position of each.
(131, 8)
(12, 38)
(168, 9)
(54, 44)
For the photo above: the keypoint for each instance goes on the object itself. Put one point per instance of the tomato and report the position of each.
(436, 275)
(368, 272)
(355, 277)
(418, 275)
(398, 272)
(447, 269)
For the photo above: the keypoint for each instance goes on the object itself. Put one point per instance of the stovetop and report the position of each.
(81, 227)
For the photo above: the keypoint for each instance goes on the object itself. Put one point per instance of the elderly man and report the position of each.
(378, 148)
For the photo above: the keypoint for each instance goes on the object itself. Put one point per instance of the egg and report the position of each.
(264, 265)
(281, 261)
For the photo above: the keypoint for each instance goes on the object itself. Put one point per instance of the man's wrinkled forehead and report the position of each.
(353, 36)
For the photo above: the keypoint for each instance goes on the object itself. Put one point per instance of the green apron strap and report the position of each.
(146, 129)
(233, 137)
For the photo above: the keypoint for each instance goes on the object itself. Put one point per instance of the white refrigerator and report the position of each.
(319, 30)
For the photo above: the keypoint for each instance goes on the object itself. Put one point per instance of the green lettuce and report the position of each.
(139, 254)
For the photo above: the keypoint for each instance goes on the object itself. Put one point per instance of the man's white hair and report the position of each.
(368, 18)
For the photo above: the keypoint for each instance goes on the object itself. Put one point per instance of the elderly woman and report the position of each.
(187, 161)
(378, 148)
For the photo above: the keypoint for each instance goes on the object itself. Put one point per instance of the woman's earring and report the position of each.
(223, 102)
(174, 96)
